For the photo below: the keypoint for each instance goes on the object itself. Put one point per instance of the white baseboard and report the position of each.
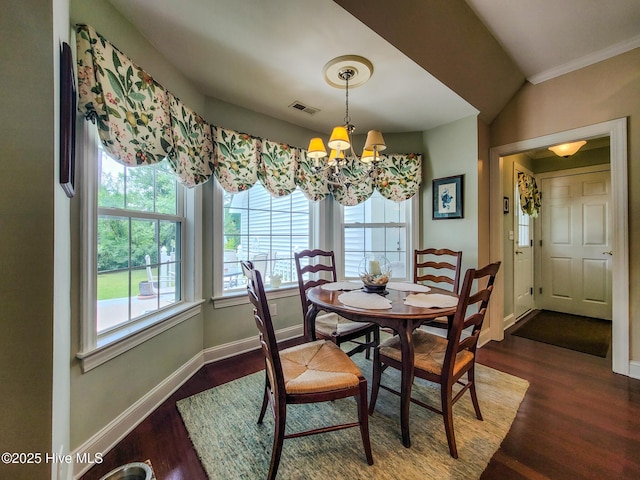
(634, 369)
(119, 427)
(484, 338)
(231, 349)
(508, 321)
(123, 424)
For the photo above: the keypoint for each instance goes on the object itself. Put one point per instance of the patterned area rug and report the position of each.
(222, 426)
(575, 332)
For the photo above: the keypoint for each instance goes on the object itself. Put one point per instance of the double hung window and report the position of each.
(138, 248)
(380, 227)
(265, 230)
(139, 242)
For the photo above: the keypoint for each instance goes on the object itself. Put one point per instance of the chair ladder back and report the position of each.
(315, 265)
(262, 317)
(461, 321)
(424, 264)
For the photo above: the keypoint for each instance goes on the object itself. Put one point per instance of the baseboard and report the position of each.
(484, 338)
(508, 321)
(123, 424)
(231, 349)
(634, 369)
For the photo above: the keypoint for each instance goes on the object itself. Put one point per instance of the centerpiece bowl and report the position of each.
(375, 272)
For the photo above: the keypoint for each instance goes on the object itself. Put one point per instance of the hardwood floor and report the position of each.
(578, 420)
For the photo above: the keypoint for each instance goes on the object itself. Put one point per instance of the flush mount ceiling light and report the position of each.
(567, 149)
(344, 72)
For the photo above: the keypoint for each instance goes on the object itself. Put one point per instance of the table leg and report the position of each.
(406, 346)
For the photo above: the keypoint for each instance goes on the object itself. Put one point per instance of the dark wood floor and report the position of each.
(578, 419)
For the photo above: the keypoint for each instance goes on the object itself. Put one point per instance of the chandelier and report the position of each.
(339, 73)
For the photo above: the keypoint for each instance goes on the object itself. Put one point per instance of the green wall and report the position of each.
(27, 152)
(450, 150)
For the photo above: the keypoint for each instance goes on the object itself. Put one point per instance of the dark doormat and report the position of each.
(583, 334)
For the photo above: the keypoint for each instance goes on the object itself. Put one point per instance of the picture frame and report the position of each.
(448, 197)
(68, 105)
(505, 205)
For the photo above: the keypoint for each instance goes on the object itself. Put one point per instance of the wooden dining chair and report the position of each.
(312, 264)
(444, 361)
(312, 372)
(440, 268)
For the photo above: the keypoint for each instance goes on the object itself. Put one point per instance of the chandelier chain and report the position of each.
(347, 119)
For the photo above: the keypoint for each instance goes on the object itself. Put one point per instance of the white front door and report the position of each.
(576, 244)
(523, 300)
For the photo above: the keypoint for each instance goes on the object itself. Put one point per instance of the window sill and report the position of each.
(241, 298)
(112, 345)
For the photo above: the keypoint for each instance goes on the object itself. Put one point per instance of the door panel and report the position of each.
(576, 250)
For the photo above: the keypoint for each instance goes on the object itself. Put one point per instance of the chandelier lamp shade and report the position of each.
(341, 72)
(567, 149)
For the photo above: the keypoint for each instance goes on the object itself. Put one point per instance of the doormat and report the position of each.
(575, 332)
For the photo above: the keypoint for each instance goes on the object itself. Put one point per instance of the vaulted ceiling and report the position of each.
(433, 61)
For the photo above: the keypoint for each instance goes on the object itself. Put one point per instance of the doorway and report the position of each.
(616, 130)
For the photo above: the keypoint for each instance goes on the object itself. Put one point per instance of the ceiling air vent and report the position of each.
(304, 108)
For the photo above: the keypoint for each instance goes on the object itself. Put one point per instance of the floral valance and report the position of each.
(530, 200)
(141, 123)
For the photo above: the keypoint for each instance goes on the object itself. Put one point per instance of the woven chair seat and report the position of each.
(316, 367)
(429, 353)
(332, 324)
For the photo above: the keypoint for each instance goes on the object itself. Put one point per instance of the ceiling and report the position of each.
(266, 55)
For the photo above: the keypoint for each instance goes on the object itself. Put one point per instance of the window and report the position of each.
(139, 236)
(138, 249)
(263, 229)
(524, 223)
(377, 226)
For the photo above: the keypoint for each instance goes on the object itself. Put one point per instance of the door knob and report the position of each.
(518, 252)
(610, 252)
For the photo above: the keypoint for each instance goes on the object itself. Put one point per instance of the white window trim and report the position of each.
(92, 353)
(317, 211)
(413, 222)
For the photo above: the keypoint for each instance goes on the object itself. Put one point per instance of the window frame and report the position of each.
(412, 219)
(97, 349)
(221, 299)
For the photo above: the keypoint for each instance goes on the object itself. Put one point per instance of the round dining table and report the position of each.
(401, 318)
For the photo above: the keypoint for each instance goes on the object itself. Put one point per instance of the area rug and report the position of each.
(582, 334)
(222, 426)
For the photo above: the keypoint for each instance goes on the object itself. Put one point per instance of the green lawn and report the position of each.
(116, 285)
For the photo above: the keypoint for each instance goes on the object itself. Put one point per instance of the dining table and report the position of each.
(402, 318)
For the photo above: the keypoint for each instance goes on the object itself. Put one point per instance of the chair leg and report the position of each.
(265, 398)
(368, 340)
(446, 394)
(375, 379)
(363, 419)
(278, 440)
(471, 375)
